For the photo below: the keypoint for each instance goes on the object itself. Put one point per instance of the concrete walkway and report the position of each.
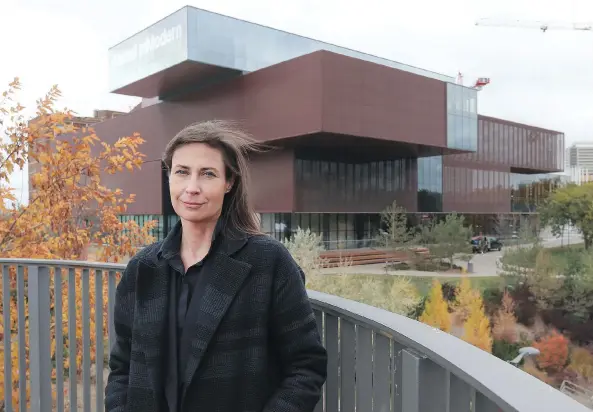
(379, 269)
(484, 265)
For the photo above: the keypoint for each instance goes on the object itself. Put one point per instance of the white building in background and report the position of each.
(577, 174)
(580, 155)
(578, 163)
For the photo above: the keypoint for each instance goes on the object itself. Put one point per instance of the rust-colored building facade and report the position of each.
(349, 132)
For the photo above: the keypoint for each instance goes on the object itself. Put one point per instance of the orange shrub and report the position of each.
(504, 322)
(553, 352)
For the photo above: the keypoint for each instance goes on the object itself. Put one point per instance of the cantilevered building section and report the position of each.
(351, 132)
(196, 47)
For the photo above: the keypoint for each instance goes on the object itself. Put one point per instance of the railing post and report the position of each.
(7, 339)
(39, 339)
(410, 392)
(22, 336)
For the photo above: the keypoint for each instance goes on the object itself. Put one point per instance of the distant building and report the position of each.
(580, 155)
(577, 174)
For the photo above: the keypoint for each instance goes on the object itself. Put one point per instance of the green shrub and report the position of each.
(507, 351)
(417, 311)
(393, 293)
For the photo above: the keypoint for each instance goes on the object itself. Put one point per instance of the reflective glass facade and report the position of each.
(498, 177)
(154, 49)
(220, 41)
(324, 186)
(462, 117)
(529, 191)
(338, 230)
(237, 44)
(430, 184)
(505, 144)
(476, 190)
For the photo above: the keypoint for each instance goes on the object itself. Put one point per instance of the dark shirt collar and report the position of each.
(171, 245)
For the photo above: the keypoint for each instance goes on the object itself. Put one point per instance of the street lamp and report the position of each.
(523, 353)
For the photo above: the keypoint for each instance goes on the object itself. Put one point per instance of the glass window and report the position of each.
(458, 132)
(267, 222)
(350, 181)
(365, 176)
(467, 98)
(450, 97)
(510, 141)
(473, 134)
(305, 221)
(223, 41)
(450, 130)
(389, 176)
(315, 223)
(473, 104)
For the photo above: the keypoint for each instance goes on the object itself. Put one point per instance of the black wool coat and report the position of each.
(255, 345)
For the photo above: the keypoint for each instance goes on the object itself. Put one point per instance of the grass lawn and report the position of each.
(561, 250)
(423, 284)
(398, 294)
(526, 257)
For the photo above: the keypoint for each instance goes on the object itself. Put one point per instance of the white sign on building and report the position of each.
(147, 47)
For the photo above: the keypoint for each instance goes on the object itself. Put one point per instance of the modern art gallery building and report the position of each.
(350, 132)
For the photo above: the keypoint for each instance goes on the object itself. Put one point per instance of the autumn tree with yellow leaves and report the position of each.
(476, 329)
(465, 296)
(67, 189)
(70, 209)
(436, 309)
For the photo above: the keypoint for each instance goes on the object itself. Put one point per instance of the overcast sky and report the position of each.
(544, 79)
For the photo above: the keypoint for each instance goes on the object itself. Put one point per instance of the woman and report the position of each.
(216, 316)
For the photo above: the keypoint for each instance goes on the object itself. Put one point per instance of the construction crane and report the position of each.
(478, 85)
(543, 26)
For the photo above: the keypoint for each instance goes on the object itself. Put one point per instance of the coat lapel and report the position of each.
(150, 319)
(224, 278)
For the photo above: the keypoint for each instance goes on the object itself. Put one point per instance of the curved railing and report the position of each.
(377, 361)
(395, 363)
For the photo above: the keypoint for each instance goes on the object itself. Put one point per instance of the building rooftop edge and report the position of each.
(452, 78)
(500, 119)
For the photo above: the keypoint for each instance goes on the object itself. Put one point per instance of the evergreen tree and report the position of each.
(436, 310)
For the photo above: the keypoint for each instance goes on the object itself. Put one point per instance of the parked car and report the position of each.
(493, 243)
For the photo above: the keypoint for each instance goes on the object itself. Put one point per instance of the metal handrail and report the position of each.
(478, 368)
(583, 395)
(350, 328)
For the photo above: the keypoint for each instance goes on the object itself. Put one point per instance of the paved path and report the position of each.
(484, 265)
(379, 269)
(487, 264)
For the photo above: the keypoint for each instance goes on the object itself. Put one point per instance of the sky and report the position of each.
(543, 79)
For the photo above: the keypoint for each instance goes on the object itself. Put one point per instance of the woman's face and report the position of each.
(197, 184)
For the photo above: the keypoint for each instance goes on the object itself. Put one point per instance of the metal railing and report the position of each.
(377, 361)
(577, 392)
